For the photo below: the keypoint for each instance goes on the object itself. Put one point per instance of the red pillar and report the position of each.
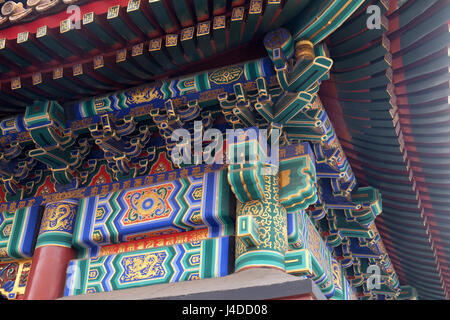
(53, 252)
(48, 273)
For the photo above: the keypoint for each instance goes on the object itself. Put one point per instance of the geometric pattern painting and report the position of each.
(343, 290)
(308, 254)
(13, 278)
(209, 258)
(175, 206)
(17, 233)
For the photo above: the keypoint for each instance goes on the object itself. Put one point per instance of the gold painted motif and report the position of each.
(196, 218)
(195, 259)
(219, 22)
(203, 28)
(64, 25)
(226, 76)
(143, 267)
(88, 18)
(314, 243)
(187, 33)
(58, 217)
(7, 230)
(194, 276)
(78, 69)
(22, 37)
(16, 83)
(155, 44)
(133, 5)
(337, 275)
(121, 55)
(93, 274)
(36, 78)
(113, 12)
(171, 40)
(97, 236)
(58, 73)
(142, 95)
(14, 278)
(255, 7)
(237, 14)
(41, 32)
(99, 213)
(285, 178)
(197, 194)
(151, 204)
(271, 217)
(137, 50)
(98, 62)
(299, 150)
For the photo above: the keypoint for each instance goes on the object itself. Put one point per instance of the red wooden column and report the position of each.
(53, 252)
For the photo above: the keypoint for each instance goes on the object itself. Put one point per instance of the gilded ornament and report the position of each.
(58, 217)
(226, 76)
(142, 95)
(143, 267)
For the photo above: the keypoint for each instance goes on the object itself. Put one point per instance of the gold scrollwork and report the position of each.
(271, 218)
(226, 76)
(58, 217)
(142, 95)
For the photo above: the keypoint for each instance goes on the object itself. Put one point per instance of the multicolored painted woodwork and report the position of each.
(247, 230)
(298, 180)
(46, 123)
(13, 278)
(270, 216)
(309, 121)
(189, 34)
(112, 151)
(321, 18)
(169, 101)
(57, 225)
(308, 254)
(264, 196)
(340, 224)
(18, 233)
(155, 242)
(171, 95)
(342, 288)
(370, 201)
(100, 186)
(209, 258)
(179, 205)
(247, 158)
(357, 244)
(390, 134)
(120, 144)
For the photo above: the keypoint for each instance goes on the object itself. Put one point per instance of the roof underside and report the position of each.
(123, 43)
(391, 114)
(387, 97)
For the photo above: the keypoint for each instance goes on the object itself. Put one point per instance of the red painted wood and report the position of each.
(48, 273)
